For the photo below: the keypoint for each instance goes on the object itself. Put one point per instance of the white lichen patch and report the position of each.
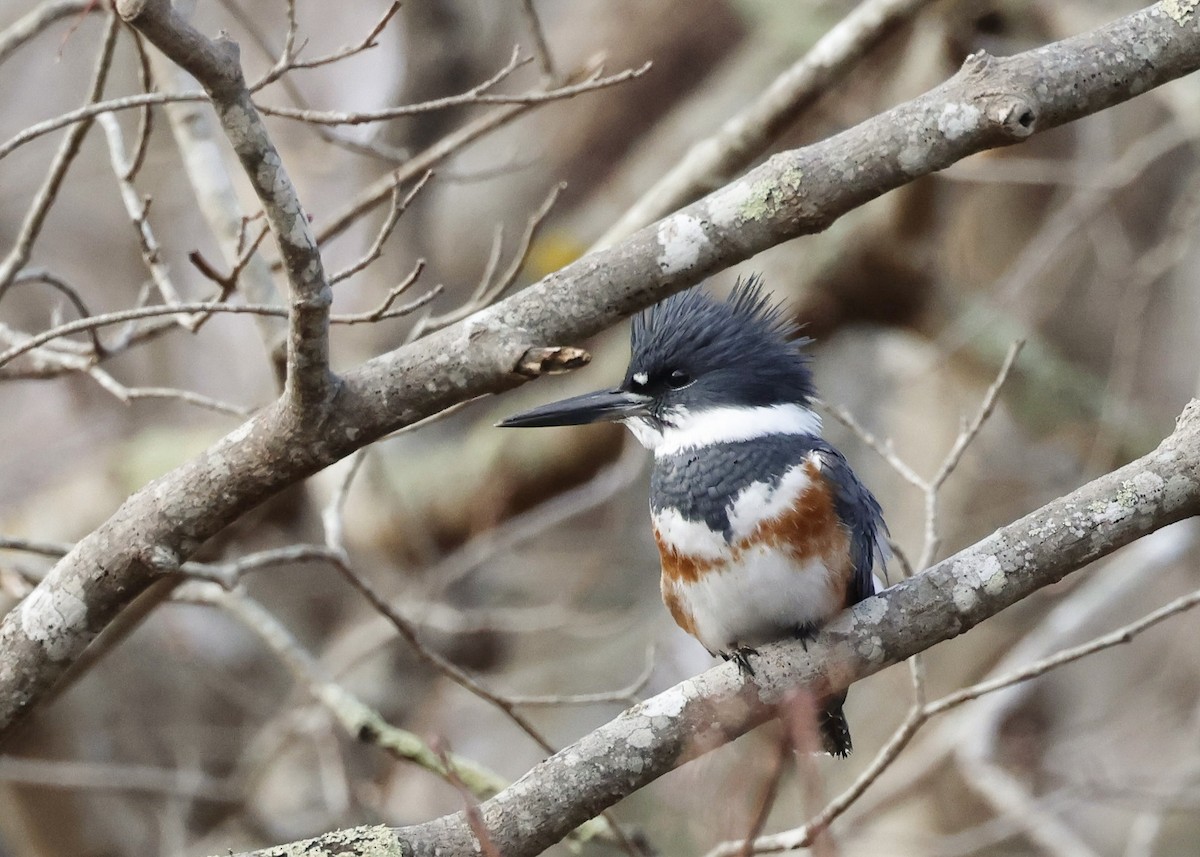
(669, 703)
(871, 648)
(1147, 484)
(54, 616)
(958, 120)
(912, 158)
(1044, 530)
(1180, 11)
(640, 738)
(682, 240)
(1129, 496)
(873, 610)
(297, 235)
(725, 208)
(237, 126)
(1177, 489)
(991, 575)
(1107, 513)
(964, 596)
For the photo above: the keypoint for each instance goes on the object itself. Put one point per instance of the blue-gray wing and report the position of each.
(860, 512)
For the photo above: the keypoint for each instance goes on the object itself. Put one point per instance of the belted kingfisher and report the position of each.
(763, 529)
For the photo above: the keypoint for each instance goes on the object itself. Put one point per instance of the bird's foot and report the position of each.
(741, 656)
(805, 633)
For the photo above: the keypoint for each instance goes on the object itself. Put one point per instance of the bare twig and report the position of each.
(438, 152)
(471, 810)
(111, 318)
(145, 115)
(42, 548)
(37, 20)
(228, 282)
(476, 95)
(205, 308)
(31, 227)
(444, 666)
(540, 44)
(84, 115)
(288, 60)
(931, 489)
(489, 291)
(627, 694)
(40, 275)
(130, 394)
(137, 208)
(400, 204)
(770, 790)
(385, 311)
(985, 410)
(359, 720)
(369, 636)
(196, 134)
(108, 777)
(310, 381)
(374, 149)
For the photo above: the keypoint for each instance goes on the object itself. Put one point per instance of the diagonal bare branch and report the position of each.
(992, 102)
(692, 718)
(215, 64)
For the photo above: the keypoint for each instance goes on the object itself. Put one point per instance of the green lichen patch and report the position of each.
(766, 196)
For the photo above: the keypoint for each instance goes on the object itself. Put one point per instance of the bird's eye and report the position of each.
(678, 378)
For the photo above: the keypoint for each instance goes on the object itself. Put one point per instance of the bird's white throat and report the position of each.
(693, 429)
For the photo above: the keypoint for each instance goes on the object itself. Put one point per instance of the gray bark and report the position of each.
(991, 102)
(712, 709)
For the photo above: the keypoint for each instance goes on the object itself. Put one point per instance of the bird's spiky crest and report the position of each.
(743, 349)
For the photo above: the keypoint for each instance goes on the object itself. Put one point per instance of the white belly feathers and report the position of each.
(748, 592)
(765, 595)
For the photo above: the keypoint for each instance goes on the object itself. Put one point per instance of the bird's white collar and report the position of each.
(687, 429)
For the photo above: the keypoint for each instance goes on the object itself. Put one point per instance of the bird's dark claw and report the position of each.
(741, 656)
(805, 633)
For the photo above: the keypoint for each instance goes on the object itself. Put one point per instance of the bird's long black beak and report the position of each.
(600, 406)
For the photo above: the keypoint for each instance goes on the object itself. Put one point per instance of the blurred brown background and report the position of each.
(191, 737)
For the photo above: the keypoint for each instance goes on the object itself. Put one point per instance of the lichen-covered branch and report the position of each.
(700, 714)
(991, 102)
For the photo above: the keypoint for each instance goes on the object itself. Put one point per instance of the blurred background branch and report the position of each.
(523, 563)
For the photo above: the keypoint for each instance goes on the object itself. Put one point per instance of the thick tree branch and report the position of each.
(990, 103)
(700, 714)
(216, 65)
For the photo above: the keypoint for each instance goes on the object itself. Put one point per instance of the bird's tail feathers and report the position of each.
(833, 728)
